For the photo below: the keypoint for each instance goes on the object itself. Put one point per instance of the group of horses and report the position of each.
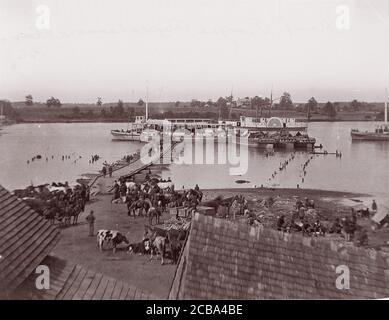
(234, 206)
(155, 202)
(62, 206)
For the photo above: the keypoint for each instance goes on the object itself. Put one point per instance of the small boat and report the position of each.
(128, 135)
(133, 131)
(381, 133)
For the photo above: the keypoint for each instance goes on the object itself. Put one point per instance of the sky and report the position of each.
(78, 50)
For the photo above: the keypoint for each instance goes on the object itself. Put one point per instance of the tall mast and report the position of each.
(147, 103)
(271, 100)
(386, 106)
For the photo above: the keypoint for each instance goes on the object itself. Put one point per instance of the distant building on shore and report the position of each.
(243, 102)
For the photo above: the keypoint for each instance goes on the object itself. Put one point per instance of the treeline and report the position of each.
(224, 108)
(10, 113)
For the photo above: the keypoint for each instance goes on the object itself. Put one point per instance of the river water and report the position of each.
(363, 167)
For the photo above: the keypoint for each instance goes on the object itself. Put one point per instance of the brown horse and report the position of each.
(218, 202)
(152, 213)
(140, 205)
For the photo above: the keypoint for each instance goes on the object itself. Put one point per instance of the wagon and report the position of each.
(177, 232)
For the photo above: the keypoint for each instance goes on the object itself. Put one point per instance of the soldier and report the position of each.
(91, 221)
(374, 206)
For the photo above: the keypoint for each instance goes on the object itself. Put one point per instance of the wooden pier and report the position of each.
(124, 172)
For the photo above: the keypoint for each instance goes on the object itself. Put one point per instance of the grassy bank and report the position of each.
(73, 112)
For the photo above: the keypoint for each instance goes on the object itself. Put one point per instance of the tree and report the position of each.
(223, 109)
(53, 102)
(119, 109)
(258, 103)
(355, 105)
(140, 102)
(177, 104)
(310, 106)
(210, 103)
(196, 103)
(330, 111)
(29, 101)
(131, 112)
(8, 111)
(76, 110)
(286, 102)
(221, 102)
(99, 102)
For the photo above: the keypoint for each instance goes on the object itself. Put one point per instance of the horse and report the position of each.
(67, 216)
(162, 202)
(153, 212)
(50, 215)
(140, 205)
(218, 202)
(237, 206)
(197, 193)
(175, 246)
(75, 212)
(157, 243)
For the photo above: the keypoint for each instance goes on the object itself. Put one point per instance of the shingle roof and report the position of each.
(226, 260)
(26, 238)
(74, 282)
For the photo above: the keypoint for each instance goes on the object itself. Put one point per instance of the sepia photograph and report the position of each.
(166, 151)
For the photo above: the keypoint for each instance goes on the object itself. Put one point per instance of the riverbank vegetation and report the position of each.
(53, 110)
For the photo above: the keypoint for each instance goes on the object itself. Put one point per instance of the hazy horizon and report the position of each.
(186, 49)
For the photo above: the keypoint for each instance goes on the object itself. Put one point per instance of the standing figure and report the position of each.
(91, 221)
(374, 206)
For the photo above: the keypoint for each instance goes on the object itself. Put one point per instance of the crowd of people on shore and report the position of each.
(305, 219)
(108, 168)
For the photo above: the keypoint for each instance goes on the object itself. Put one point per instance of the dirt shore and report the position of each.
(75, 244)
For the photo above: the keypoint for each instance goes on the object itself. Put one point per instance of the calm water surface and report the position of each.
(362, 168)
(20, 143)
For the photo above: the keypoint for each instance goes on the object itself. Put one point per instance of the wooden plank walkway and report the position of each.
(101, 185)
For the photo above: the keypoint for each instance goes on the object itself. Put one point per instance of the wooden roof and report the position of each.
(26, 238)
(225, 260)
(73, 282)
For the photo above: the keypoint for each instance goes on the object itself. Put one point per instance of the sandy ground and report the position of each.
(76, 246)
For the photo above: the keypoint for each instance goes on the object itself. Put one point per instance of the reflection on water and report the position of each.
(362, 168)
